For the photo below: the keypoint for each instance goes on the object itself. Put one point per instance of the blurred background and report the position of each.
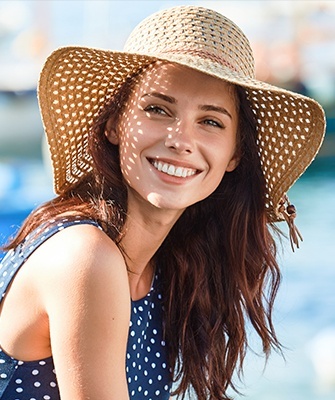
(294, 45)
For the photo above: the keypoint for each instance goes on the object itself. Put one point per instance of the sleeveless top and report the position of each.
(148, 373)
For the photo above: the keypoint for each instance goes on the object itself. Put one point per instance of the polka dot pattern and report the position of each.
(146, 361)
(147, 370)
(27, 380)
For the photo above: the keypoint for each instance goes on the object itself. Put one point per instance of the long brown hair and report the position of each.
(218, 265)
(220, 272)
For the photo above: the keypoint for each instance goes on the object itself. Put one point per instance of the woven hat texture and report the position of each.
(76, 82)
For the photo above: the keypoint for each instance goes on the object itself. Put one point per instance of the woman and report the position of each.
(171, 163)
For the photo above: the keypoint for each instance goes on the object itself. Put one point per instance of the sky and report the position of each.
(30, 30)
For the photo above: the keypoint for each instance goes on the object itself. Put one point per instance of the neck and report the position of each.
(144, 232)
(143, 235)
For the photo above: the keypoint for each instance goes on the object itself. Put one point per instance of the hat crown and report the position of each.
(193, 32)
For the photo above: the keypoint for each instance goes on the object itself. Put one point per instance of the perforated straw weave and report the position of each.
(76, 82)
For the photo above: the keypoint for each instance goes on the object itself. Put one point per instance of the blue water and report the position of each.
(305, 307)
(24, 184)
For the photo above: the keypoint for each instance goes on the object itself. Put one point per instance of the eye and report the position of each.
(214, 123)
(153, 109)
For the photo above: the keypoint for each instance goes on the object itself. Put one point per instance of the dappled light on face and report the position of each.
(131, 130)
(127, 142)
(172, 132)
(155, 199)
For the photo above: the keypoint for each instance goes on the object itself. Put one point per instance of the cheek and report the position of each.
(220, 157)
(223, 156)
(127, 139)
(219, 174)
(218, 167)
(125, 166)
(131, 144)
(127, 159)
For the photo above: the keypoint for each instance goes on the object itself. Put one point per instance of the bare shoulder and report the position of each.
(82, 286)
(85, 241)
(82, 254)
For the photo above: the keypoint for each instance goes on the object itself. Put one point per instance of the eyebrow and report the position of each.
(162, 96)
(221, 110)
(205, 107)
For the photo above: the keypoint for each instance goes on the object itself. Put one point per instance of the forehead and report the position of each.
(165, 76)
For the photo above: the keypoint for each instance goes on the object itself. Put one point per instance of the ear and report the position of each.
(110, 132)
(233, 163)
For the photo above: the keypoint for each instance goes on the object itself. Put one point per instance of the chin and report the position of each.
(161, 202)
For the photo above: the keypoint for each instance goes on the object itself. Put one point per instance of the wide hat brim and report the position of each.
(76, 82)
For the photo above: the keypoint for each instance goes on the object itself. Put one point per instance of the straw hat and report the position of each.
(76, 82)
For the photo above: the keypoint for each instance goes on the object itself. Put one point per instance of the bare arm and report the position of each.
(85, 291)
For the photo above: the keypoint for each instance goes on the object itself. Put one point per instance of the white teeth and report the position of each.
(164, 167)
(179, 171)
(172, 170)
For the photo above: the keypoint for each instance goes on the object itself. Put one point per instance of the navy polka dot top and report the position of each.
(147, 369)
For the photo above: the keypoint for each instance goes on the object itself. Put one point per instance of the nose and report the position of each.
(180, 139)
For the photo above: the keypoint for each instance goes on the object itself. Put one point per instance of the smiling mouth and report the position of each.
(173, 170)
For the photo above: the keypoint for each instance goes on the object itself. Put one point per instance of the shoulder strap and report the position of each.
(15, 258)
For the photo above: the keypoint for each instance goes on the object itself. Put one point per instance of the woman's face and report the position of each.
(176, 136)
